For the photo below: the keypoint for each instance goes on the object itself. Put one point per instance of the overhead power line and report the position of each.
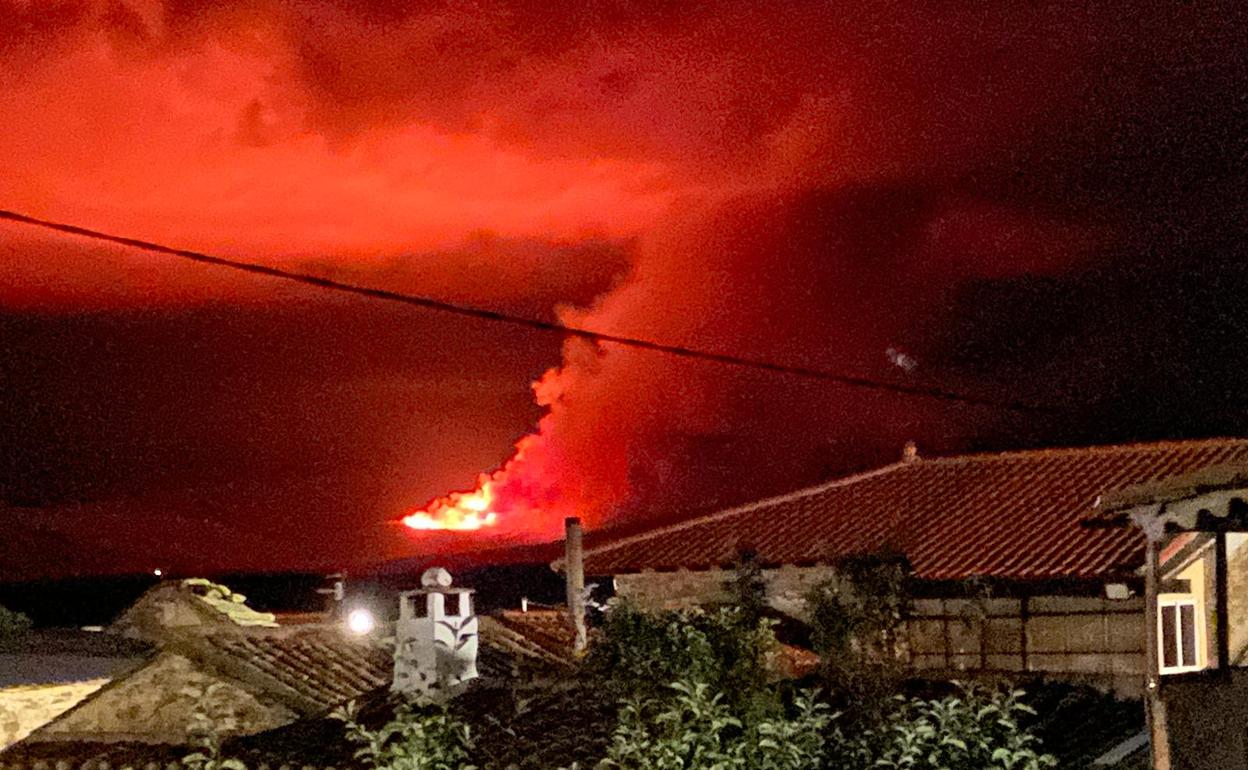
(470, 311)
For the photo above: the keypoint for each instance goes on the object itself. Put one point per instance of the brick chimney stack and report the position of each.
(910, 452)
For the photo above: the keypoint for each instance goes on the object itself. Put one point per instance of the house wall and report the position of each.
(1199, 576)
(1078, 638)
(1237, 596)
(1206, 717)
(1199, 570)
(1206, 711)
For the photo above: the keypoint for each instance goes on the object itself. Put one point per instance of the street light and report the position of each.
(360, 622)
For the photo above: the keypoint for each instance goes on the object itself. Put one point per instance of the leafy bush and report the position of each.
(212, 718)
(13, 622)
(747, 588)
(211, 760)
(856, 619)
(642, 652)
(416, 738)
(974, 730)
(694, 729)
(705, 720)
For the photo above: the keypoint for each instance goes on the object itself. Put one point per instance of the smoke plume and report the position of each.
(821, 185)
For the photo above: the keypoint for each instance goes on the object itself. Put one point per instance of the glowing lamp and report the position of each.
(361, 622)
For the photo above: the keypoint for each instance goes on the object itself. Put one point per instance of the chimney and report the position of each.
(435, 639)
(334, 593)
(910, 452)
(574, 570)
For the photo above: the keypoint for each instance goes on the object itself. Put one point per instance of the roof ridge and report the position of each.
(1072, 449)
(745, 508)
(921, 462)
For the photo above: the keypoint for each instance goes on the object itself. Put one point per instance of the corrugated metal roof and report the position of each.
(1013, 515)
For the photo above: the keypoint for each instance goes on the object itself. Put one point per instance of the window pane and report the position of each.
(1169, 640)
(1187, 632)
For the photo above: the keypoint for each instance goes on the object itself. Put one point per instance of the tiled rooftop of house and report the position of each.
(1013, 515)
(507, 647)
(92, 755)
(530, 728)
(322, 665)
(175, 648)
(550, 630)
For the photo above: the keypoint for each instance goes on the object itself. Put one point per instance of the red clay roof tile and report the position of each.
(1013, 515)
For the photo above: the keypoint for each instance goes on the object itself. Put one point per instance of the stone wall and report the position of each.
(1080, 638)
(786, 587)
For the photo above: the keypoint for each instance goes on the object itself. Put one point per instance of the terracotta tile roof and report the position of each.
(1015, 515)
(322, 665)
(92, 755)
(506, 649)
(550, 630)
(526, 728)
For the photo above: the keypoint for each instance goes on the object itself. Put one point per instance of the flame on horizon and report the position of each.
(505, 498)
(462, 511)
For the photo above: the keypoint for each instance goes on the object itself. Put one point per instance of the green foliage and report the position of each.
(747, 590)
(642, 652)
(204, 760)
(856, 619)
(211, 718)
(973, 730)
(696, 694)
(693, 728)
(416, 738)
(13, 622)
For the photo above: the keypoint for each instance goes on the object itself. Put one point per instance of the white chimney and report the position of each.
(435, 639)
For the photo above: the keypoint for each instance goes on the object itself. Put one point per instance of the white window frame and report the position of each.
(1199, 626)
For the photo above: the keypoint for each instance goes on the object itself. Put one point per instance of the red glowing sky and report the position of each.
(1041, 200)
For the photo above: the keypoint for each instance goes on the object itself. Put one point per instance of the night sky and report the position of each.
(1040, 202)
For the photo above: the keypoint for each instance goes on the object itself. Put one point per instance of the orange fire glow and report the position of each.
(498, 500)
(458, 511)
